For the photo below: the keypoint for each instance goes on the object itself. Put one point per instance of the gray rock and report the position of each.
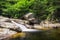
(18, 21)
(28, 16)
(34, 21)
(2, 19)
(8, 25)
(6, 33)
(28, 26)
(26, 22)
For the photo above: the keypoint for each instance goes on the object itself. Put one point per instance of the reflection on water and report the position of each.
(45, 35)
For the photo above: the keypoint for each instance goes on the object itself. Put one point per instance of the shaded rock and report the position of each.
(28, 16)
(26, 22)
(28, 26)
(33, 21)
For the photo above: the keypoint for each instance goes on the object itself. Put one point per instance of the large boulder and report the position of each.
(8, 25)
(29, 26)
(5, 34)
(33, 21)
(30, 17)
(18, 21)
(3, 19)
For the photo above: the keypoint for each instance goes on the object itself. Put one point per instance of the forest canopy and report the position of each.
(45, 9)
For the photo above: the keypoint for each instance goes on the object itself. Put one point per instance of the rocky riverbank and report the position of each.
(9, 30)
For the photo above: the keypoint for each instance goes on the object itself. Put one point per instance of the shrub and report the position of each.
(16, 9)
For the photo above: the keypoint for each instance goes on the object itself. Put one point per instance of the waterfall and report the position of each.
(24, 28)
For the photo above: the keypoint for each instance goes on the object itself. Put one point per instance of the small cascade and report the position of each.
(24, 28)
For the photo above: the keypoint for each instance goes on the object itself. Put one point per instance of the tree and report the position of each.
(45, 9)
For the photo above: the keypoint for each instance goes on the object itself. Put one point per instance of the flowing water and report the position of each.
(53, 34)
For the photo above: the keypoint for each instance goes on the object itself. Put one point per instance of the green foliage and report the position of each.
(44, 8)
(17, 8)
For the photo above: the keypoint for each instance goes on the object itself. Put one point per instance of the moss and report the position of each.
(18, 35)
